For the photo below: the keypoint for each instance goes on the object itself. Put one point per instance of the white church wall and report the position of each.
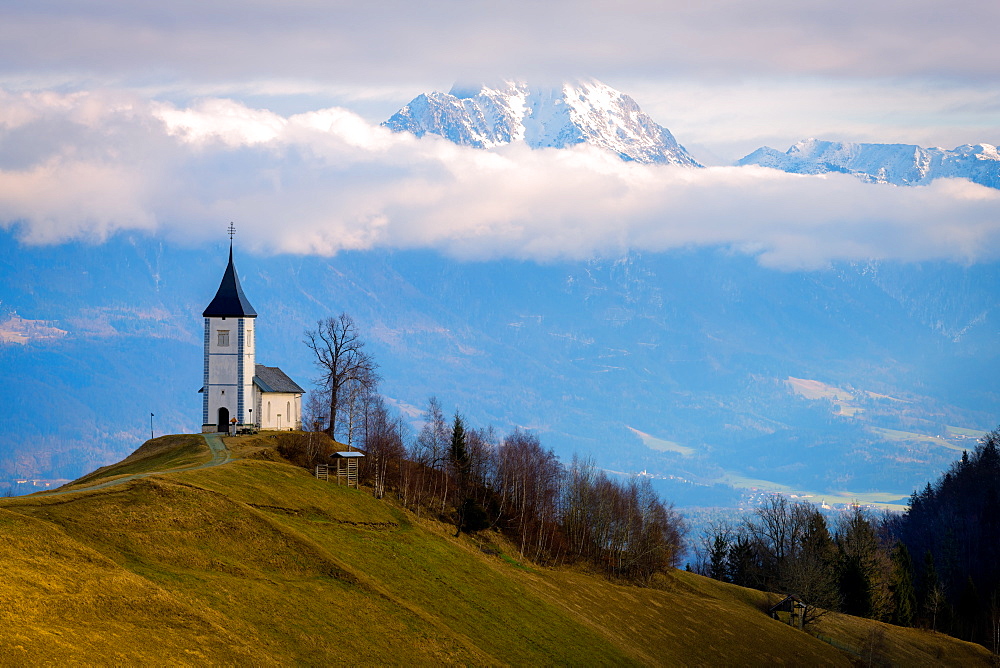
(220, 397)
(222, 371)
(280, 410)
(224, 351)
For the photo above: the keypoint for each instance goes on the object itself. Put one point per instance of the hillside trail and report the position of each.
(220, 456)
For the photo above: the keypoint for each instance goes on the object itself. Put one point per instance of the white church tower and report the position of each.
(228, 391)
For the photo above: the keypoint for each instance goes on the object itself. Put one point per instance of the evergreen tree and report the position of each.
(742, 563)
(932, 596)
(863, 585)
(968, 612)
(955, 523)
(717, 558)
(460, 464)
(811, 571)
(904, 599)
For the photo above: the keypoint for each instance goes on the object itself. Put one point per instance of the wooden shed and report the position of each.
(347, 467)
(794, 609)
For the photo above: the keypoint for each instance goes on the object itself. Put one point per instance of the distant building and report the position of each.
(235, 386)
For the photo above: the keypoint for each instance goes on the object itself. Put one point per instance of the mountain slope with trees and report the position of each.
(936, 566)
(952, 530)
(257, 561)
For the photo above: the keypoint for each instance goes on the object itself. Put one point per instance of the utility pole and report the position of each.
(151, 426)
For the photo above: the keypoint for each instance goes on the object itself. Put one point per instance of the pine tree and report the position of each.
(812, 570)
(904, 598)
(717, 555)
(863, 566)
(459, 456)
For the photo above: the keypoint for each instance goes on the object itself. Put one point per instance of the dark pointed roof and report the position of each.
(230, 302)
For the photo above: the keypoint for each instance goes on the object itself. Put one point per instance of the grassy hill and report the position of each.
(256, 562)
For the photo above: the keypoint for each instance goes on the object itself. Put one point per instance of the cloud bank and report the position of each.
(393, 40)
(726, 76)
(87, 165)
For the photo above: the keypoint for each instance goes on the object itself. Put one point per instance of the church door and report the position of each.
(223, 419)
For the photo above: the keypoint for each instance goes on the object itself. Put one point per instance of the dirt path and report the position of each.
(220, 455)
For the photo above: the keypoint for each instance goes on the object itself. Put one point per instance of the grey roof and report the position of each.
(273, 379)
(230, 302)
(347, 455)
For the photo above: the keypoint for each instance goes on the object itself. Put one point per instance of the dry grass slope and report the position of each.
(159, 454)
(255, 562)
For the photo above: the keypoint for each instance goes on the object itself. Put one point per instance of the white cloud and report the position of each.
(726, 76)
(327, 181)
(393, 40)
(729, 119)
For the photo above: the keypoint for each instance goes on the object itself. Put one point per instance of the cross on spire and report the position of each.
(232, 233)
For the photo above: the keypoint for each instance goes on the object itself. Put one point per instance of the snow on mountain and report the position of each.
(579, 112)
(898, 164)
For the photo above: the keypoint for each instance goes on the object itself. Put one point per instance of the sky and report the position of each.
(177, 118)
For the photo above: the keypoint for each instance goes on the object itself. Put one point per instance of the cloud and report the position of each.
(733, 118)
(393, 40)
(327, 181)
(725, 75)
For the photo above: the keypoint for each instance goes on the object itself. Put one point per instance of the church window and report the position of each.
(288, 412)
(223, 337)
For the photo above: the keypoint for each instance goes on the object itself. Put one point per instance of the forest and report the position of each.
(934, 566)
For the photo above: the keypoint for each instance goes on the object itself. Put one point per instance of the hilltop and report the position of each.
(253, 560)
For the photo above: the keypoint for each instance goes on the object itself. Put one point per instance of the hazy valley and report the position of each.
(699, 367)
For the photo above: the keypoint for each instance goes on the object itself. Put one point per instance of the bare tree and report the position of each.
(356, 400)
(385, 456)
(430, 452)
(529, 478)
(341, 359)
(776, 527)
(315, 412)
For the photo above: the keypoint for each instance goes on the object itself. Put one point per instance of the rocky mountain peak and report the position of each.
(896, 164)
(488, 115)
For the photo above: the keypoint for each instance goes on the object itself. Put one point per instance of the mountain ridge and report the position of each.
(896, 164)
(582, 112)
(590, 112)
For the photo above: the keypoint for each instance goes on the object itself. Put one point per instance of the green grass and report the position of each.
(159, 454)
(888, 500)
(515, 563)
(814, 389)
(961, 431)
(255, 562)
(662, 445)
(912, 437)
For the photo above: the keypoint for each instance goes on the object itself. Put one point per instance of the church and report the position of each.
(237, 392)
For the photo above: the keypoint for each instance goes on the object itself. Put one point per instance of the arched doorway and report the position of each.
(223, 419)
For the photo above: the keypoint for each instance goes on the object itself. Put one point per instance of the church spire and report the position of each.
(230, 302)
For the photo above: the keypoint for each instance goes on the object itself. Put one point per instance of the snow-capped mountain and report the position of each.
(580, 112)
(899, 164)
